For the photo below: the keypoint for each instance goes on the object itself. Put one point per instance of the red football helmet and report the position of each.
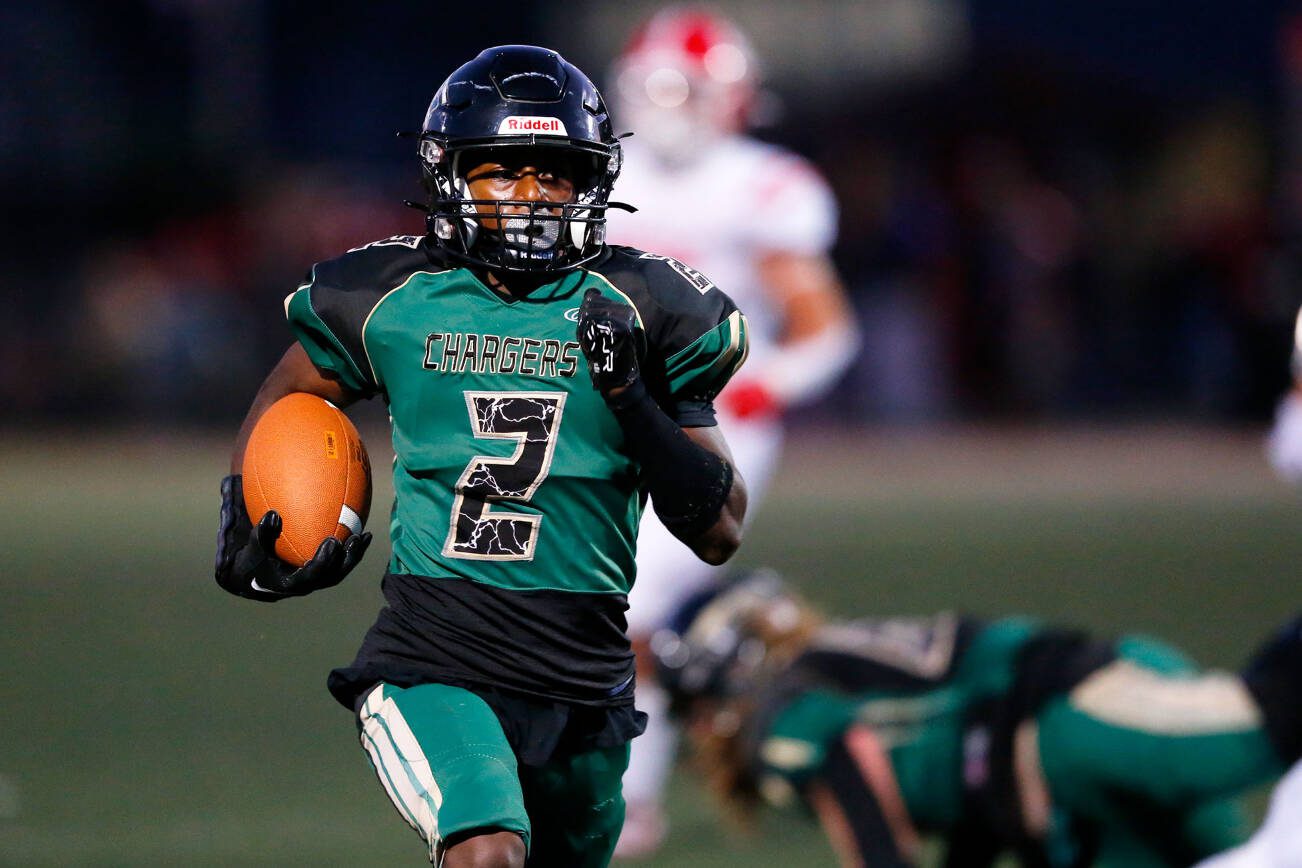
(687, 76)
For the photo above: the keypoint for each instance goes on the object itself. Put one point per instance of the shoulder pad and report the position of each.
(660, 280)
(328, 313)
(380, 265)
(676, 302)
(696, 337)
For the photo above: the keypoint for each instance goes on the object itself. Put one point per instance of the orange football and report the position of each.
(306, 460)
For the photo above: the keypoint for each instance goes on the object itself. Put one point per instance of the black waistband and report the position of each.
(555, 645)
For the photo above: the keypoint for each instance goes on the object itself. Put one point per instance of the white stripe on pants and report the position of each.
(401, 766)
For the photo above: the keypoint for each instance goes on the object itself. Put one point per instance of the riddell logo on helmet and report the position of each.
(530, 124)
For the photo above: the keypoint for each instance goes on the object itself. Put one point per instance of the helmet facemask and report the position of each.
(518, 235)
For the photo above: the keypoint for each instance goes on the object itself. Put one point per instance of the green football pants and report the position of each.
(1153, 754)
(441, 756)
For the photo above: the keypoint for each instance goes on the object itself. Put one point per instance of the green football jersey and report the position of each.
(509, 469)
(913, 680)
(1141, 737)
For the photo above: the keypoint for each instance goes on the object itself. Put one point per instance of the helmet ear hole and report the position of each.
(431, 163)
(615, 164)
(431, 152)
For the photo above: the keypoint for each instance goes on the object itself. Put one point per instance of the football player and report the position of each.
(541, 385)
(1284, 445)
(1278, 843)
(1000, 736)
(760, 220)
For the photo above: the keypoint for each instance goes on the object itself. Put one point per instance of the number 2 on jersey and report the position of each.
(532, 419)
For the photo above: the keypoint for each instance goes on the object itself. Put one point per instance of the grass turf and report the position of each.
(154, 720)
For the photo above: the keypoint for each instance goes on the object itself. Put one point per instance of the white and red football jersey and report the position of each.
(719, 214)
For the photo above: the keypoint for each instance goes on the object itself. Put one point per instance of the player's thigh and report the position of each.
(440, 754)
(1278, 843)
(1138, 834)
(1149, 725)
(576, 807)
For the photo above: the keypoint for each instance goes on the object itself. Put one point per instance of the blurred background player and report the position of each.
(757, 219)
(1284, 445)
(1278, 843)
(1000, 736)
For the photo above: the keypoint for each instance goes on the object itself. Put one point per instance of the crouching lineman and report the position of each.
(998, 736)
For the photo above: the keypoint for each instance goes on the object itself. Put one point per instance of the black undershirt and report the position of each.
(552, 650)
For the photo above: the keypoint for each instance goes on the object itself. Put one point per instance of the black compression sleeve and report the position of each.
(688, 483)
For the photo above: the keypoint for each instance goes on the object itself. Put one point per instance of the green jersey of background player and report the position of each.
(998, 736)
(541, 386)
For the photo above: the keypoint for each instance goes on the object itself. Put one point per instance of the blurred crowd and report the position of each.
(1022, 239)
(183, 321)
(1064, 264)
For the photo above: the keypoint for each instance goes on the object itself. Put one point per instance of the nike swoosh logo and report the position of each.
(572, 314)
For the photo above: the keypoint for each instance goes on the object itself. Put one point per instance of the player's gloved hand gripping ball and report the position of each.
(247, 565)
(608, 335)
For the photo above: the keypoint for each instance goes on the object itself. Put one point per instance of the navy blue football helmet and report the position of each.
(518, 96)
(713, 645)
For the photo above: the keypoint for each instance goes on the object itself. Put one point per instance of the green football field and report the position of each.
(153, 720)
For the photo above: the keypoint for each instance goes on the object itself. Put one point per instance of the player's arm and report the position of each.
(791, 229)
(295, 372)
(246, 563)
(327, 314)
(858, 803)
(814, 307)
(689, 473)
(818, 338)
(721, 539)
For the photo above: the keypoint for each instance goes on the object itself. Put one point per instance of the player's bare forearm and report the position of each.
(818, 336)
(293, 373)
(807, 291)
(721, 540)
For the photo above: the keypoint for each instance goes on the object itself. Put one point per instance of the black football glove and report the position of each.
(609, 337)
(247, 565)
